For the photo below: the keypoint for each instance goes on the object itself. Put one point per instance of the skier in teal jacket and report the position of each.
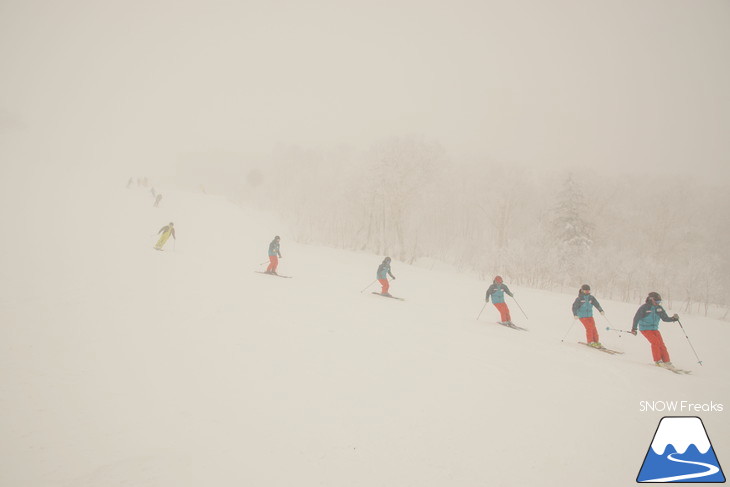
(583, 311)
(646, 320)
(497, 291)
(274, 255)
(382, 275)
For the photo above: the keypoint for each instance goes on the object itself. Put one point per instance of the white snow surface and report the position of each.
(680, 432)
(121, 365)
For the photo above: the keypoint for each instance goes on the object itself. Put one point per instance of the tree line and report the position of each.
(625, 234)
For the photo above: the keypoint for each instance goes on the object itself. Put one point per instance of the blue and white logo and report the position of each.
(681, 452)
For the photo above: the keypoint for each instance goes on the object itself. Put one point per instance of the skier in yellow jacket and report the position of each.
(166, 231)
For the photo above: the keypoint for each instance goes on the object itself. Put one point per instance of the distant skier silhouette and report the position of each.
(274, 255)
(166, 231)
(382, 275)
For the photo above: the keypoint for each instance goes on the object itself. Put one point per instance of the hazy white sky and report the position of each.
(563, 82)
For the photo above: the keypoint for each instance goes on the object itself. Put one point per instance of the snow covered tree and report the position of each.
(397, 175)
(571, 230)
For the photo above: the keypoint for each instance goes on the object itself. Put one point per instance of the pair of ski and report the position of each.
(388, 296)
(602, 349)
(616, 352)
(272, 274)
(674, 369)
(509, 324)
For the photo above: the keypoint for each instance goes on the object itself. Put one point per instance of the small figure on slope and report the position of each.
(583, 311)
(382, 275)
(274, 255)
(158, 198)
(647, 321)
(497, 291)
(166, 231)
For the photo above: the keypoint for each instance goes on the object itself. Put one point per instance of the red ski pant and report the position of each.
(385, 284)
(591, 332)
(503, 311)
(658, 349)
(274, 263)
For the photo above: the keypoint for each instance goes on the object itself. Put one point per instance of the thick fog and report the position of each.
(555, 142)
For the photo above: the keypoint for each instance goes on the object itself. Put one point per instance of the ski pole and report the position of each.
(369, 286)
(610, 325)
(518, 305)
(690, 343)
(480, 313)
(619, 331)
(607, 320)
(566, 333)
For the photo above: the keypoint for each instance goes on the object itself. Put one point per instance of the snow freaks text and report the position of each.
(680, 407)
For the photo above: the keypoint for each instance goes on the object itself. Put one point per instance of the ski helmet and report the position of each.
(498, 279)
(172, 224)
(277, 238)
(655, 296)
(387, 259)
(585, 287)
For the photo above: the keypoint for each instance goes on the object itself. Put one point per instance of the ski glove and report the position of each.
(575, 317)
(676, 317)
(603, 313)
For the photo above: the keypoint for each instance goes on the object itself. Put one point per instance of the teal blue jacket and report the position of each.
(648, 315)
(274, 248)
(583, 306)
(497, 291)
(384, 270)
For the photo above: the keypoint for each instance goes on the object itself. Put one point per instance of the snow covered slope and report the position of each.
(120, 365)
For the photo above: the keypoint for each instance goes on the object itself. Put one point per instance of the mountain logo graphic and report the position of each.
(681, 452)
